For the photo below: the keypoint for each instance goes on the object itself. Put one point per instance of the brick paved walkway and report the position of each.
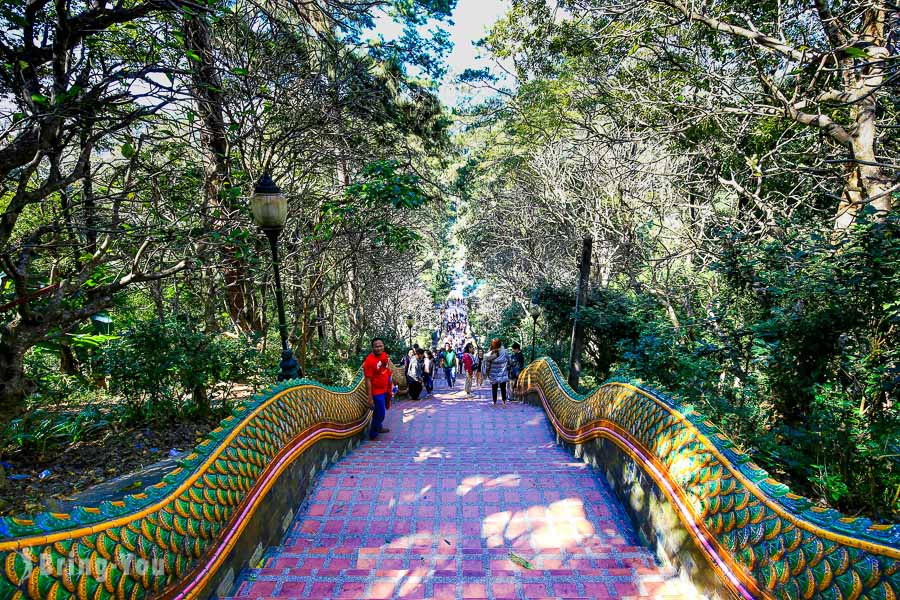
(434, 508)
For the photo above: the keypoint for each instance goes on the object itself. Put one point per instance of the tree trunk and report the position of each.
(67, 363)
(156, 291)
(584, 268)
(320, 324)
(356, 325)
(867, 183)
(304, 337)
(210, 311)
(14, 386)
(240, 296)
(200, 396)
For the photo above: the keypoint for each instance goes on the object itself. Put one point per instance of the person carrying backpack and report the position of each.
(497, 370)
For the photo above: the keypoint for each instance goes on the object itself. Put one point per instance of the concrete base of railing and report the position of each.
(652, 515)
(276, 512)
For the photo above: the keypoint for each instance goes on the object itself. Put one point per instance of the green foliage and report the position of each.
(41, 430)
(609, 319)
(441, 280)
(331, 369)
(815, 312)
(800, 365)
(165, 368)
(423, 50)
(384, 185)
(382, 190)
(726, 275)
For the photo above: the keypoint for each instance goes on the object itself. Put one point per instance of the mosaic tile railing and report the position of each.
(169, 540)
(762, 540)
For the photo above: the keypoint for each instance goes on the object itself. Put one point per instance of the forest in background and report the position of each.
(736, 165)
(136, 294)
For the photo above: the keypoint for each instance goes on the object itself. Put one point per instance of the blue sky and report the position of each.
(471, 20)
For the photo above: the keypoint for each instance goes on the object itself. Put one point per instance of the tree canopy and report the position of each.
(735, 164)
(736, 167)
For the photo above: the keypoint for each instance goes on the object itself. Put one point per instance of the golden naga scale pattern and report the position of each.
(762, 540)
(169, 540)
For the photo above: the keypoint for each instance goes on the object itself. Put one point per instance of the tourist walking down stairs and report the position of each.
(516, 366)
(496, 369)
(448, 362)
(468, 363)
(415, 374)
(479, 363)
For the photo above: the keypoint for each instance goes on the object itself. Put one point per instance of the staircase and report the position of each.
(460, 500)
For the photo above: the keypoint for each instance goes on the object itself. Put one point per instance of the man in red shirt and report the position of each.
(377, 371)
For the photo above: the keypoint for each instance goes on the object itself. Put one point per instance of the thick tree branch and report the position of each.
(767, 42)
(833, 28)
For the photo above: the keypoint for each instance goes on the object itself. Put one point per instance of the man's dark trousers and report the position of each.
(377, 415)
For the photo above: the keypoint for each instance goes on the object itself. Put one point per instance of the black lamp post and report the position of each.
(535, 312)
(269, 209)
(409, 325)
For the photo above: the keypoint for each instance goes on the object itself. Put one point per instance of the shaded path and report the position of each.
(434, 508)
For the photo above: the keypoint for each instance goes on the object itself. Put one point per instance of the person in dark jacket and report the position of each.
(415, 374)
(516, 365)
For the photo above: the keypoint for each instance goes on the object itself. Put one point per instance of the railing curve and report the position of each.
(170, 539)
(762, 540)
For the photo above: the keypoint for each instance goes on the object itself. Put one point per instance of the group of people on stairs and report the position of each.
(498, 366)
(421, 366)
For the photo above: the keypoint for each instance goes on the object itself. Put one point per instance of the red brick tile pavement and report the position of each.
(436, 508)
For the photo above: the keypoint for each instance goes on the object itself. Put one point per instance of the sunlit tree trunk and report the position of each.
(867, 182)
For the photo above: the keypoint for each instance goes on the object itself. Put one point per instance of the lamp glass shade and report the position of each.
(410, 322)
(269, 210)
(535, 311)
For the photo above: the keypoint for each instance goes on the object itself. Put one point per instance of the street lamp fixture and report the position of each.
(535, 312)
(269, 209)
(409, 325)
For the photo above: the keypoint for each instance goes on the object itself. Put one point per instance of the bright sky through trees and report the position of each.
(471, 21)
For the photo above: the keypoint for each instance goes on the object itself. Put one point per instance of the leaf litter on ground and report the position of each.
(520, 561)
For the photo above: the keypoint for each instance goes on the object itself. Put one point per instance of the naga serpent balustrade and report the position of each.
(170, 540)
(762, 540)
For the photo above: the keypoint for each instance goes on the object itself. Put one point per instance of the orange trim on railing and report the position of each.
(584, 434)
(36, 540)
(266, 481)
(889, 551)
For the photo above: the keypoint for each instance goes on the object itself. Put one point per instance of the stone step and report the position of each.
(441, 588)
(504, 568)
(598, 551)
